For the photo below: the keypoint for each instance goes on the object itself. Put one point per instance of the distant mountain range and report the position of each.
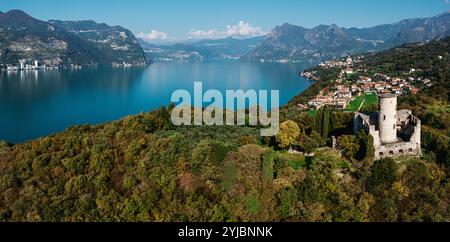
(86, 42)
(295, 43)
(65, 43)
(202, 50)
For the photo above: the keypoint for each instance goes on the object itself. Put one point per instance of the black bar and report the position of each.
(264, 231)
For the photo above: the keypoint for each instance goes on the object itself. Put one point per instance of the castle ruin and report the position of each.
(395, 133)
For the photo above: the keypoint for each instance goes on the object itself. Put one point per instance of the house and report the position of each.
(364, 79)
(379, 86)
(316, 102)
(348, 71)
(340, 104)
(344, 94)
(397, 90)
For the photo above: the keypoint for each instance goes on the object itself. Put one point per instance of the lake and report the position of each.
(38, 103)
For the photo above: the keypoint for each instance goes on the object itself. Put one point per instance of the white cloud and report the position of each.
(154, 35)
(241, 30)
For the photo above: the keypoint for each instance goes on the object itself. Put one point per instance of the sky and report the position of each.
(172, 20)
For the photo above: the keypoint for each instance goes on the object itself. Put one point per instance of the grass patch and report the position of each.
(295, 161)
(370, 100)
(354, 104)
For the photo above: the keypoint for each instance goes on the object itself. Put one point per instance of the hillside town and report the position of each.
(353, 81)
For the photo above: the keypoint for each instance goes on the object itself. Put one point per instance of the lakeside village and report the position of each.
(27, 65)
(352, 87)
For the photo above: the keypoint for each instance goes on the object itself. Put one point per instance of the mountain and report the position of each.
(409, 30)
(290, 42)
(118, 42)
(294, 43)
(176, 52)
(229, 48)
(24, 37)
(201, 50)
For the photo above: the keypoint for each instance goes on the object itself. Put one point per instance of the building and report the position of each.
(349, 71)
(395, 133)
(22, 64)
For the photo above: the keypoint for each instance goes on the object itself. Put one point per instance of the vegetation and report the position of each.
(288, 134)
(142, 168)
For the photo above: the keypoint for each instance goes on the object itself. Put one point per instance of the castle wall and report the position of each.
(398, 149)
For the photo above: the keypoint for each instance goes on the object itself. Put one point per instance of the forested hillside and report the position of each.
(142, 168)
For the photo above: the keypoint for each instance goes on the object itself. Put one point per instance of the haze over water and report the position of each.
(38, 103)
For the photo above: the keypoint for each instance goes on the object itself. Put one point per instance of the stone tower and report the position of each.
(387, 119)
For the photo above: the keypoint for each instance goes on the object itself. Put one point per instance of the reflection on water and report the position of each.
(37, 103)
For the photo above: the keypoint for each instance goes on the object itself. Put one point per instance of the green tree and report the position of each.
(366, 146)
(288, 134)
(325, 122)
(322, 122)
(383, 174)
(349, 145)
(268, 159)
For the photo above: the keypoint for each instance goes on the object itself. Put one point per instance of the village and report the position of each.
(27, 65)
(34, 65)
(356, 86)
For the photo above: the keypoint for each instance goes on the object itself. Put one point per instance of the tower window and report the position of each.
(384, 117)
(394, 126)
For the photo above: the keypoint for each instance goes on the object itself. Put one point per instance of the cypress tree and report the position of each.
(325, 122)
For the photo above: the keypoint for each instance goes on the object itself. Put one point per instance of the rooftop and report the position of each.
(387, 95)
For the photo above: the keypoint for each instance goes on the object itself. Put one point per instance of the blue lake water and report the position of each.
(38, 103)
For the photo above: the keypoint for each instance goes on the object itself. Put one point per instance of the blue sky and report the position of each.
(182, 19)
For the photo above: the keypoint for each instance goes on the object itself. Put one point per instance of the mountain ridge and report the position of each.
(323, 42)
(201, 50)
(30, 39)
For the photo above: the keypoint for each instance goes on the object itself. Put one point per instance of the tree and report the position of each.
(268, 161)
(288, 134)
(325, 122)
(322, 122)
(366, 147)
(349, 145)
(383, 174)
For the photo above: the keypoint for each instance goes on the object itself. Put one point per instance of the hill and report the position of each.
(143, 169)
